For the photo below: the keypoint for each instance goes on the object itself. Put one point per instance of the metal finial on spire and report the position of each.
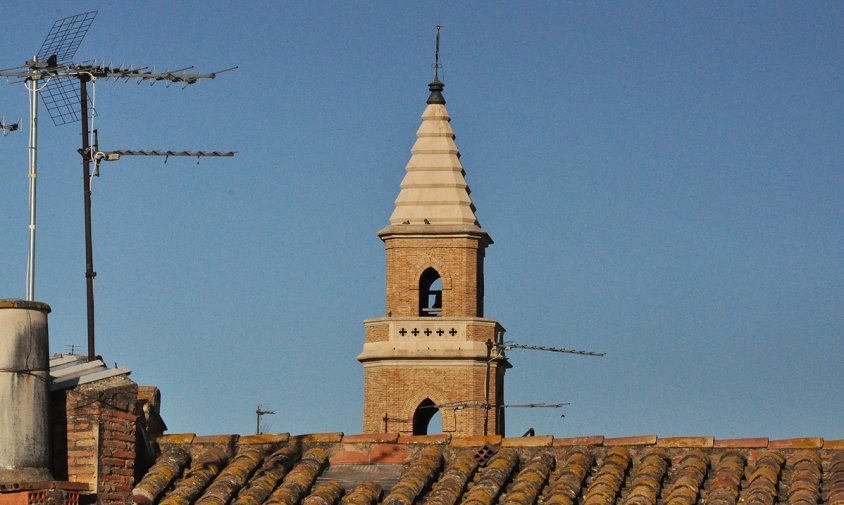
(436, 87)
(437, 55)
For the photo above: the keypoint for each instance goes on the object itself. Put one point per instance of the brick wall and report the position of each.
(397, 391)
(95, 435)
(400, 376)
(458, 260)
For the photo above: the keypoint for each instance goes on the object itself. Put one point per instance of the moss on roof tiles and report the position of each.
(421, 472)
(203, 470)
(165, 470)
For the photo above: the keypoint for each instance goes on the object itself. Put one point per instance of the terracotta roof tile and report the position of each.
(317, 437)
(299, 480)
(365, 493)
(606, 484)
(492, 478)
(641, 440)
(231, 479)
(593, 440)
(215, 439)
(371, 437)
(683, 488)
(566, 483)
(421, 472)
(165, 470)
(763, 479)
(737, 443)
(447, 490)
(272, 471)
(646, 479)
(178, 438)
(529, 481)
(425, 439)
(686, 442)
(723, 487)
(263, 439)
(475, 441)
(541, 441)
(796, 443)
(202, 471)
(324, 493)
(491, 471)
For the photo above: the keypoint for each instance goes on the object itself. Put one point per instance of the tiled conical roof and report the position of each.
(434, 189)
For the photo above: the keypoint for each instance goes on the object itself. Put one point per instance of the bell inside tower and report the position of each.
(430, 294)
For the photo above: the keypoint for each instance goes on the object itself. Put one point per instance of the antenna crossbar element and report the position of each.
(6, 127)
(481, 405)
(61, 95)
(506, 346)
(141, 74)
(113, 155)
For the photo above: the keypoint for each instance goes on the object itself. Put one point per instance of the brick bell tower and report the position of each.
(430, 353)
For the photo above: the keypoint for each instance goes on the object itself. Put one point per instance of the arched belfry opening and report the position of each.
(430, 294)
(422, 417)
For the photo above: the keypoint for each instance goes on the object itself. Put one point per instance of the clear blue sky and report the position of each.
(663, 181)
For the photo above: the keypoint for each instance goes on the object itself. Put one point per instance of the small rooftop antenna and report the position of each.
(259, 413)
(72, 348)
(62, 97)
(499, 348)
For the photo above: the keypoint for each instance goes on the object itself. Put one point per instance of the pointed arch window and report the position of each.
(430, 294)
(422, 417)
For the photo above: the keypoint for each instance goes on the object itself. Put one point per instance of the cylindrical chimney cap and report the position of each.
(23, 304)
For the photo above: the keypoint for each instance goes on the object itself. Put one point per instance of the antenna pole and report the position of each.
(486, 383)
(33, 172)
(86, 181)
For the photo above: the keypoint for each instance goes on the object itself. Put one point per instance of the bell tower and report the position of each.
(430, 353)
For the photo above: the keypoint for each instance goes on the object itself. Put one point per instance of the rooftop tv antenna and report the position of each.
(57, 49)
(259, 413)
(499, 348)
(62, 97)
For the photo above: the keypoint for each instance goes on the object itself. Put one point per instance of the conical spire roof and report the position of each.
(434, 189)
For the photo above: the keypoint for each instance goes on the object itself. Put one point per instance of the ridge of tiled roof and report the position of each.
(445, 470)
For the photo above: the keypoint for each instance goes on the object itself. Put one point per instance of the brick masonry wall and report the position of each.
(99, 422)
(397, 391)
(458, 260)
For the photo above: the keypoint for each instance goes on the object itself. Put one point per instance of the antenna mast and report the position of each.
(61, 97)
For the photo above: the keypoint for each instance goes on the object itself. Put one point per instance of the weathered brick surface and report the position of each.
(95, 430)
(458, 260)
(395, 388)
(397, 391)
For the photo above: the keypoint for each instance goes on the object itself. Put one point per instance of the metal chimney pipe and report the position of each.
(24, 392)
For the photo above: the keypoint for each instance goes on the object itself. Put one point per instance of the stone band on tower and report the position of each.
(430, 353)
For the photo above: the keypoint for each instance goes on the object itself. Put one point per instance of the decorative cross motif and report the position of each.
(427, 332)
(452, 332)
(402, 332)
(440, 332)
(415, 332)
